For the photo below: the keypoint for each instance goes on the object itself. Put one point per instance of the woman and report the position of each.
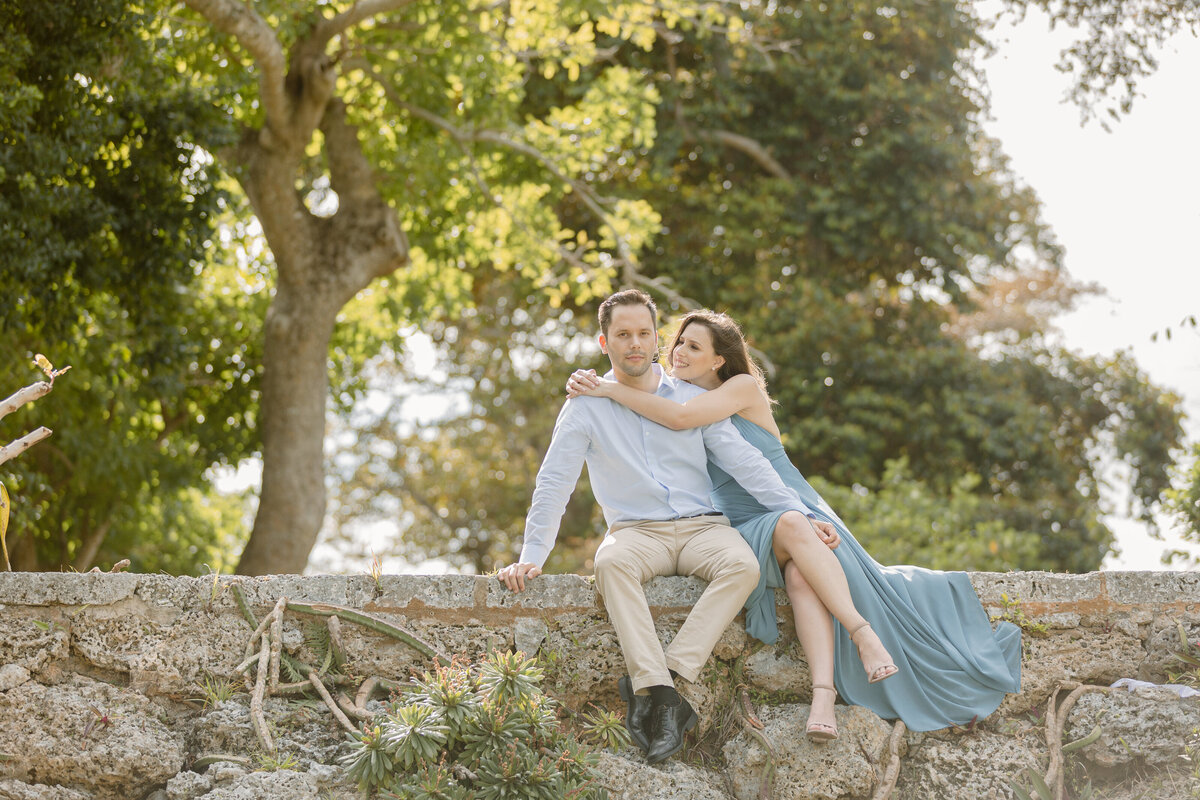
(949, 667)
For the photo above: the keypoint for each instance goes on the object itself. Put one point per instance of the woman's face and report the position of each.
(693, 356)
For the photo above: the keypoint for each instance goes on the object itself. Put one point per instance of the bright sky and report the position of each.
(1125, 205)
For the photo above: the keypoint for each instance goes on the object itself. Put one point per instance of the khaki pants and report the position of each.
(634, 552)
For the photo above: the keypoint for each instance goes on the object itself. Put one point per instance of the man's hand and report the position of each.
(827, 533)
(514, 575)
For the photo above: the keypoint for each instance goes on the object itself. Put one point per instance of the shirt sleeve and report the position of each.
(556, 481)
(729, 450)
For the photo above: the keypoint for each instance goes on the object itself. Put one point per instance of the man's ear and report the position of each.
(603, 343)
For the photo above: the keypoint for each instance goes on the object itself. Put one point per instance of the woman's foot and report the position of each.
(822, 724)
(875, 658)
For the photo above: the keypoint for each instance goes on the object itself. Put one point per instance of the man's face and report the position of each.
(631, 341)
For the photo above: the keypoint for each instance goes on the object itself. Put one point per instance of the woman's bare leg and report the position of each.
(796, 544)
(814, 628)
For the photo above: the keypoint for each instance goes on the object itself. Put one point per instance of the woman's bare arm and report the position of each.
(736, 394)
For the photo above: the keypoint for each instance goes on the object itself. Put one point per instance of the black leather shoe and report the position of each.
(637, 713)
(669, 724)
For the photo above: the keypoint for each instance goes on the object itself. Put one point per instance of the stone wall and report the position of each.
(102, 688)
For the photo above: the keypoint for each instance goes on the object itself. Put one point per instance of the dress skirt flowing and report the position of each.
(954, 667)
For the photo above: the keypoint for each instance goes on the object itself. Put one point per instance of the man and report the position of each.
(653, 485)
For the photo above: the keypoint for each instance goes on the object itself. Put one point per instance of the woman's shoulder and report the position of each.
(749, 389)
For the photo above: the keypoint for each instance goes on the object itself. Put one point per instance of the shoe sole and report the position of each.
(687, 726)
(895, 671)
(625, 687)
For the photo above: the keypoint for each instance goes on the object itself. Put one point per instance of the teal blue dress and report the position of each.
(954, 667)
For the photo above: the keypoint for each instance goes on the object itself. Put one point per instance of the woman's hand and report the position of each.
(826, 532)
(586, 381)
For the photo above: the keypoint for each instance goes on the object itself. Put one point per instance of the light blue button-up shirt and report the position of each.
(641, 470)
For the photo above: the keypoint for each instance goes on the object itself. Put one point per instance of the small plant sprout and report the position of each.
(375, 570)
(271, 762)
(100, 721)
(214, 691)
(1189, 656)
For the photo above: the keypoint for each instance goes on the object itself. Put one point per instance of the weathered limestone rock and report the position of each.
(978, 765)
(299, 730)
(630, 778)
(849, 766)
(1148, 726)
(1097, 657)
(257, 785)
(777, 669)
(137, 648)
(89, 735)
(34, 642)
(16, 790)
(188, 786)
(12, 676)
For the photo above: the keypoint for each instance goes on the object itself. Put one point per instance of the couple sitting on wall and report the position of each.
(693, 480)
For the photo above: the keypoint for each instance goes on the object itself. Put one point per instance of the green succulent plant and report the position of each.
(414, 735)
(369, 764)
(474, 732)
(509, 676)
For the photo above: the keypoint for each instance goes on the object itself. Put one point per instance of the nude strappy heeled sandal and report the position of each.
(881, 671)
(821, 731)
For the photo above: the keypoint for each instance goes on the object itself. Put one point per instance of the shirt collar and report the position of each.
(664, 380)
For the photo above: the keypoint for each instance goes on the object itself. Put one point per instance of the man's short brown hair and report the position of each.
(629, 297)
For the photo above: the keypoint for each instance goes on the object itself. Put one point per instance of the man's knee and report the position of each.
(613, 564)
(744, 569)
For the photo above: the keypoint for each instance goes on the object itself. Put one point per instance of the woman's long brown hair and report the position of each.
(728, 342)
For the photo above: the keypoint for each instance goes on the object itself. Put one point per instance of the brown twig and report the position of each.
(753, 725)
(256, 698)
(347, 705)
(1056, 719)
(335, 641)
(276, 640)
(892, 772)
(337, 712)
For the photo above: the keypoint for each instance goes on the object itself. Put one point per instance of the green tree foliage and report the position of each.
(904, 521)
(106, 212)
(1114, 48)
(389, 154)
(899, 218)
(457, 479)
(831, 187)
(1183, 501)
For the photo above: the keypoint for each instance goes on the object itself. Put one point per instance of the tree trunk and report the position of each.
(321, 265)
(295, 384)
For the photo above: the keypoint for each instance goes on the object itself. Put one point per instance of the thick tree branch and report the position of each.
(310, 82)
(748, 146)
(240, 21)
(368, 222)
